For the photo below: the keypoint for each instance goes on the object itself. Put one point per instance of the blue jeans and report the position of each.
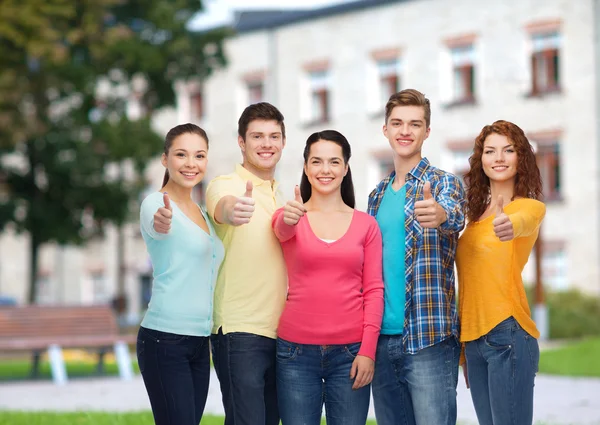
(245, 366)
(501, 367)
(176, 373)
(309, 376)
(415, 389)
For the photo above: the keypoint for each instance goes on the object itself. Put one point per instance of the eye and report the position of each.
(416, 125)
(180, 155)
(510, 150)
(488, 152)
(200, 156)
(276, 137)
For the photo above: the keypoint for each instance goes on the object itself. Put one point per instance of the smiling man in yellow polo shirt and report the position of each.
(251, 287)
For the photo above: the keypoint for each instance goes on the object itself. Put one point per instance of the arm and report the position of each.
(148, 209)
(451, 197)
(284, 232)
(527, 220)
(226, 208)
(372, 291)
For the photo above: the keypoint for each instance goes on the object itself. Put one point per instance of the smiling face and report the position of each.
(499, 158)
(325, 167)
(261, 147)
(406, 130)
(186, 160)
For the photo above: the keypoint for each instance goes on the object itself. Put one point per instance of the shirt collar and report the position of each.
(256, 181)
(418, 172)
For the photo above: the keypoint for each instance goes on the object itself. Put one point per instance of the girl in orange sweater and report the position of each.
(498, 334)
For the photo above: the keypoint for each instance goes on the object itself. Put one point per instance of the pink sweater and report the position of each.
(335, 290)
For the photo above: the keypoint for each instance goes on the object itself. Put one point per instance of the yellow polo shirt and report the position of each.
(252, 284)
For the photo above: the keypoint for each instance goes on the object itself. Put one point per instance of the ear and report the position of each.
(242, 143)
(346, 169)
(384, 129)
(163, 160)
(283, 143)
(427, 133)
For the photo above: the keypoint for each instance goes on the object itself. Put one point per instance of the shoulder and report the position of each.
(154, 200)
(223, 182)
(442, 175)
(366, 220)
(533, 206)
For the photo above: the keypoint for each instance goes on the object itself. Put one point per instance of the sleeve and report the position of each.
(451, 197)
(372, 290)
(528, 219)
(147, 210)
(216, 189)
(283, 231)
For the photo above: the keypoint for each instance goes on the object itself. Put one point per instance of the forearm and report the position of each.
(224, 210)
(373, 315)
(283, 231)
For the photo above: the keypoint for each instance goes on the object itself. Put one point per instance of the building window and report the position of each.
(548, 160)
(256, 91)
(388, 71)
(197, 105)
(554, 266)
(545, 55)
(463, 73)
(100, 293)
(44, 288)
(319, 96)
(460, 162)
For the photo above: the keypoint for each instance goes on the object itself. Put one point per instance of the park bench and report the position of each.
(38, 329)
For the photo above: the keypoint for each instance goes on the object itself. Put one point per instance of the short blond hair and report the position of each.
(408, 97)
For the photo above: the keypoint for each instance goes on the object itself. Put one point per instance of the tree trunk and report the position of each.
(34, 249)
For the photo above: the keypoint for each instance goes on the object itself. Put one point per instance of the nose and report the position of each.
(189, 161)
(405, 129)
(499, 157)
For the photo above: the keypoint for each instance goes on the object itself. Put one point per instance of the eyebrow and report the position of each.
(399, 119)
(503, 147)
(261, 132)
(320, 159)
(183, 150)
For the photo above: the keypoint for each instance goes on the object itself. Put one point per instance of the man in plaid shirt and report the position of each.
(420, 210)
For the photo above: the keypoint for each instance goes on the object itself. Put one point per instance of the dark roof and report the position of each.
(253, 20)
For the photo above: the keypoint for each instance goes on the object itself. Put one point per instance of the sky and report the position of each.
(218, 12)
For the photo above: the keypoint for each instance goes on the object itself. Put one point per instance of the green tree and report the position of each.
(59, 138)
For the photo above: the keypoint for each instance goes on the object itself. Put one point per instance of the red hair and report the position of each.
(528, 181)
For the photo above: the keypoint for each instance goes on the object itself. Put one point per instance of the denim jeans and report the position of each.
(501, 367)
(176, 373)
(245, 366)
(309, 376)
(415, 389)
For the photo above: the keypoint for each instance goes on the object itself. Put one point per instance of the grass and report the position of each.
(577, 359)
(21, 369)
(88, 418)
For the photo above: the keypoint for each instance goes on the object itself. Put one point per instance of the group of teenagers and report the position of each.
(307, 302)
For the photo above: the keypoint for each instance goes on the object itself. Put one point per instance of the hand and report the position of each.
(294, 210)
(465, 374)
(503, 227)
(429, 213)
(242, 210)
(163, 216)
(362, 371)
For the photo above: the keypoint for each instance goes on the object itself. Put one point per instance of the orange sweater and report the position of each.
(489, 271)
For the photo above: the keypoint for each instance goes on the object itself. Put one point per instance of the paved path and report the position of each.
(558, 400)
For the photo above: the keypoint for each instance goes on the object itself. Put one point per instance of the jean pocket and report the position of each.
(352, 350)
(140, 354)
(286, 351)
(501, 339)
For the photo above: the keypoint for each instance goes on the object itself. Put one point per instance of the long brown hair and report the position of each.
(528, 181)
(174, 133)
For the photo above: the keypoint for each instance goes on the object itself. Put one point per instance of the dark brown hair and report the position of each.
(174, 133)
(259, 111)
(408, 97)
(528, 181)
(347, 187)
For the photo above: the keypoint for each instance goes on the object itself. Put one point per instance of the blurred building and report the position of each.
(528, 61)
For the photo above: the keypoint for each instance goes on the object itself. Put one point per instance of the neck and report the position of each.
(402, 166)
(505, 188)
(263, 174)
(325, 202)
(177, 193)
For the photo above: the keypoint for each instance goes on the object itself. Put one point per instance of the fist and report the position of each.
(294, 210)
(243, 209)
(163, 216)
(429, 213)
(503, 227)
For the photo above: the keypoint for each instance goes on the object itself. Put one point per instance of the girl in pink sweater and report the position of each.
(328, 331)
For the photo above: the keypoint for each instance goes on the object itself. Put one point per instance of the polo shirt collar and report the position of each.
(256, 181)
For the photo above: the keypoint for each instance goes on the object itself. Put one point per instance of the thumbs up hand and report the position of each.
(243, 208)
(428, 212)
(163, 216)
(294, 210)
(503, 227)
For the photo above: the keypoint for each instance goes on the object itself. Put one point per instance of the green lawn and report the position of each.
(21, 369)
(142, 418)
(577, 359)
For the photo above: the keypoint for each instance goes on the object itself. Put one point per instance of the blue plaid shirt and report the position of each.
(430, 305)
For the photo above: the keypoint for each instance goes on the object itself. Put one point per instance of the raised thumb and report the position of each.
(249, 187)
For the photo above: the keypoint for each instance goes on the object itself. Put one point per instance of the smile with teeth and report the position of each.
(265, 154)
(189, 174)
(404, 142)
(325, 180)
(500, 167)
